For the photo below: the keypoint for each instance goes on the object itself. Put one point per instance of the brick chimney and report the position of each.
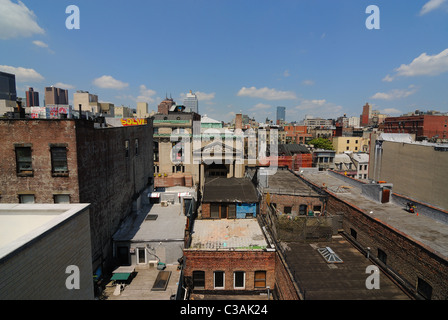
(238, 121)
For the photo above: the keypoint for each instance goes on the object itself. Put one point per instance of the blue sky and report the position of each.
(314, 57)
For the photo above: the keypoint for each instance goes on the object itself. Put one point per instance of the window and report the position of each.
(287, 210)
(317, 208)
(141, 255)
(24, 161)
(59, 160)
(238, 279)
(382, 256)
(61, 198)
(353, 233)
(223, 211)
(214, 211)
(26, 198)
(260, 279)
(219, 279)
(126, 148)
(424, 289)
(232, 211)
(199, 279)
(302, 209)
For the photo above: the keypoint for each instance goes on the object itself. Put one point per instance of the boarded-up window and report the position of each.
(260, 279)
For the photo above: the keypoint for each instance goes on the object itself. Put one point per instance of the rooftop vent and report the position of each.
(329, 255)
(151, 217)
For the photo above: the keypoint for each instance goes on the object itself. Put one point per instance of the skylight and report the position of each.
(329, 255)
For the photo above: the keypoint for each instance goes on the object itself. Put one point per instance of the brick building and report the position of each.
(410, 247)
(423, 126)
(74, 161)
(232, 198)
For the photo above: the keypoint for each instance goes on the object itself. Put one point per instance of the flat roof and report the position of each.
(423, 229)
(286, 181)
(225, 234)
(320, 280)
(23, 223)
(154, 223)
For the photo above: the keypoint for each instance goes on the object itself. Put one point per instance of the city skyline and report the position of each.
(315, 58)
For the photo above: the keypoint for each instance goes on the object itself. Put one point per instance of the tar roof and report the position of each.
(221, 189)
(421, 228)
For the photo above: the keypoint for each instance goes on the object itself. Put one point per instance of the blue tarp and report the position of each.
(242, 209)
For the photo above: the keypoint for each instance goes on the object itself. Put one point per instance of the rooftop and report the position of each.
(233, 189)
(423, 229)
(155, 222)
(225, 234)
(285, 181)
(23, 223)
(320, 280)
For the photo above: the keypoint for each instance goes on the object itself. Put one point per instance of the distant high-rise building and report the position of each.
(281, 114)
(54, 96)
(165, 106)
(191, 102)
(7, 86)
(8, 93)
(32, 98)
(366, 115)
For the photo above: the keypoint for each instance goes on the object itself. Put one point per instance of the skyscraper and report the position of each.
(281, 114)
(8, 86)
(32, 98)
(55, 96)
(191, 103)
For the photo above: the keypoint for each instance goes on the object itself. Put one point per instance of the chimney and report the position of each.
(239, 121)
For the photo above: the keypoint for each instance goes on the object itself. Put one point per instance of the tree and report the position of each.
(322, 143)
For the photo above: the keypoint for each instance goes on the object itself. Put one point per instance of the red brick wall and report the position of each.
(230, 261)
(284, 287)
(39, 133)
(294, 201)
(406, 256)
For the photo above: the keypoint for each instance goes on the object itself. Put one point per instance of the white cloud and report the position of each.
(22, 74)
(266, 93)
(423, 65)
(202, 96)
(260, 107)
(390, 111)
(146, 95)
(16, 20)
(319, 107)
(308, 82)
(108, 82)
(394, 94)
(40, 44)
(63, 85)
(388, 78)
(431, 5)
(286, 73)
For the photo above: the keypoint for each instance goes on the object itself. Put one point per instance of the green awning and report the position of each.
(120, 276)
